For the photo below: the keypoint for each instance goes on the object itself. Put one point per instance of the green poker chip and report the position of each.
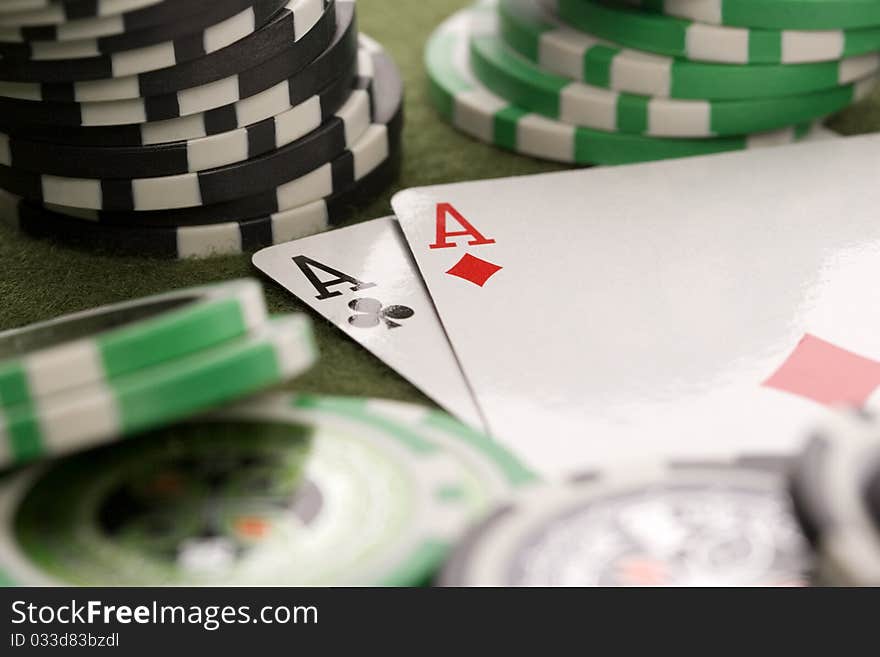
(524, 84)
(541, 37)
(154, 397)
(283, 490)
(667, 35)
(475, 110)
(107, 343)
(780, 14)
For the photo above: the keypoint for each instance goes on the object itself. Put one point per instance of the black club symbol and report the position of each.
(371, 313)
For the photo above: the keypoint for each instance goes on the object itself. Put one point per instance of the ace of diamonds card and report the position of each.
(701, 308)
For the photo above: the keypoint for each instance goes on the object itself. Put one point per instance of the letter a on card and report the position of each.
(443, 233)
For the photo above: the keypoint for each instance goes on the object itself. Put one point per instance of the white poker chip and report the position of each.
(654, 525)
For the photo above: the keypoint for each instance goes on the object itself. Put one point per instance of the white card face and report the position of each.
(820, 133)
(699, 308)
(363, 279)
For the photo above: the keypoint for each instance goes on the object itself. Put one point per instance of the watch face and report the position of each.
(669, 535)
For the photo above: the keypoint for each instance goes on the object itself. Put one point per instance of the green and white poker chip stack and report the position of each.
(622, 81)
(90, 378)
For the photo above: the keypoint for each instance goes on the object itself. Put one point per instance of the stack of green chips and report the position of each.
(599, 82)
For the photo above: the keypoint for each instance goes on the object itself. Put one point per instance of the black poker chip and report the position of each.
(204, 152)
(280, 127)
(308, 185)
(279, 25)
(243, 113)
(103, 35)
(834, 484)
(69, 10)
(50, 23)
(872, 496)
(250, 80)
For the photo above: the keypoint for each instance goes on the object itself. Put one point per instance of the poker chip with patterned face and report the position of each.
(835, 484)
(282, 490)
(700, 525)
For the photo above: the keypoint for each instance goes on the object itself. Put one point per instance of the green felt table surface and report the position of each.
(40, 280)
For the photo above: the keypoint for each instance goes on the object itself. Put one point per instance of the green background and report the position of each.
(40, 280)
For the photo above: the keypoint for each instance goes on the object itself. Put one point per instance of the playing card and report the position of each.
(363, 279)
(820, 133)
(693, 309)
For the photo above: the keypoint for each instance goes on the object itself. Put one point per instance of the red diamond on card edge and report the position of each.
(825, 373)
(474, 270)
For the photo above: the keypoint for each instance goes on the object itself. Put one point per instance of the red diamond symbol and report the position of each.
(474, 270)
(825, 373)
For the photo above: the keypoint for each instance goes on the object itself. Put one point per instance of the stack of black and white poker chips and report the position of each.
(189, 129)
